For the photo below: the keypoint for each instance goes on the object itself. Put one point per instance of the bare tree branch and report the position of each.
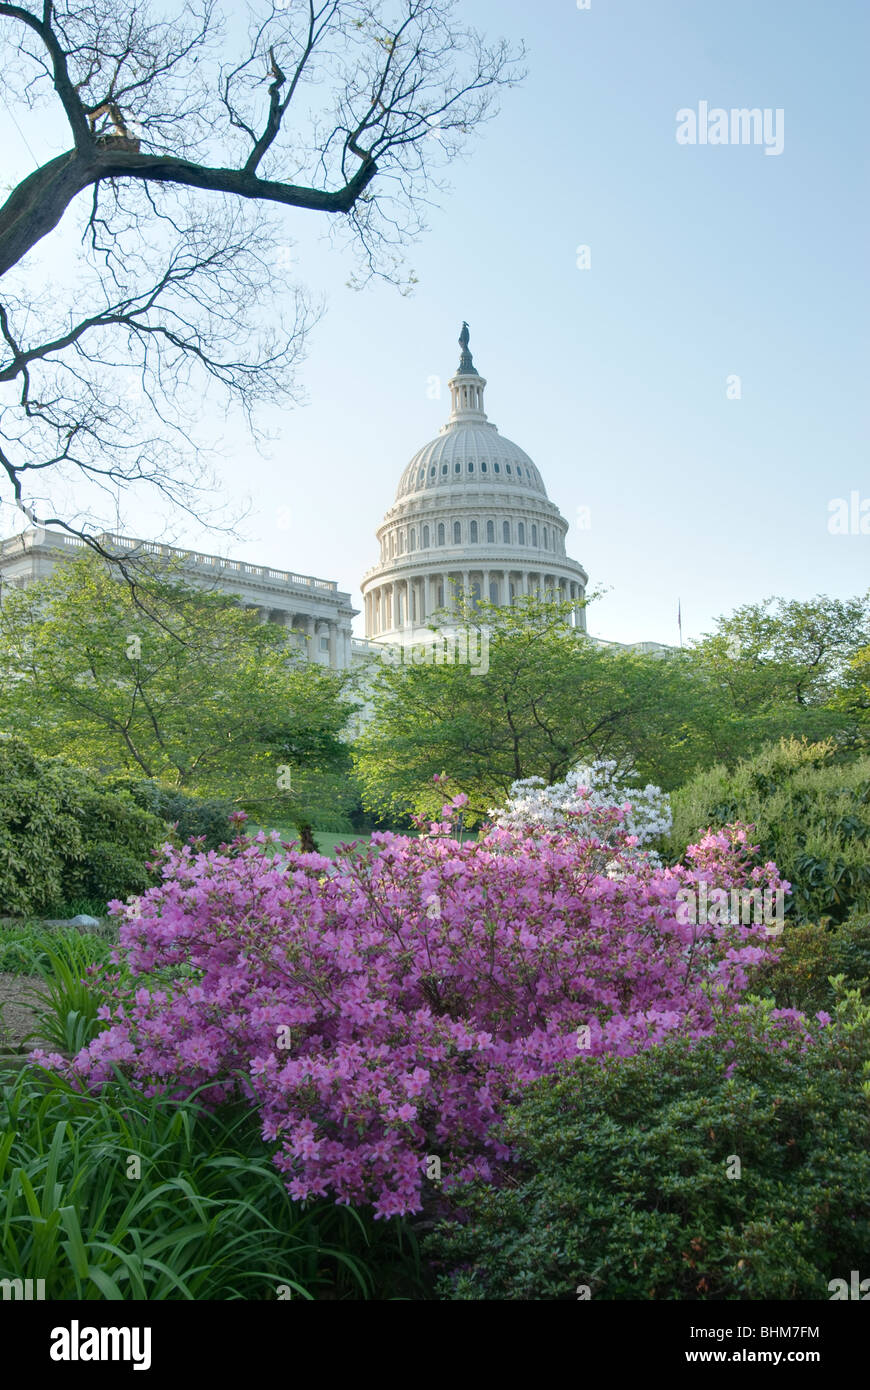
(188, 163)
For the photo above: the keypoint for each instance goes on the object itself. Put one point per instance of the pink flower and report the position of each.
(367, 1032)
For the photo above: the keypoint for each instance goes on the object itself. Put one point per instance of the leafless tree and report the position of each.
(182, 167)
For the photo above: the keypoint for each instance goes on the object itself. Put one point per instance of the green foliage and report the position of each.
(64, 836)
(787, 662)
(192, 816)
(68, 998)
(549, 698)
(811, 955)
(623, 1179)
(26, 948)
(812, 817)
(174, 684)
(209, 1217)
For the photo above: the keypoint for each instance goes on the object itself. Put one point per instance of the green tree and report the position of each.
(173, 683)
(851, 699)
(781, 663)
(548, 698)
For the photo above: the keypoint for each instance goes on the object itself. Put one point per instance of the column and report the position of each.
(427, 600)
(485, 586)
(526, 589)
(466, 581)
(332, 630)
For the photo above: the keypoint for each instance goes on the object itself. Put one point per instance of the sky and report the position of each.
(694, 396)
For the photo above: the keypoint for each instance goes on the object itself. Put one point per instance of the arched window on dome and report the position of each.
(507, 467)
(425, 537)
(493, 591)
(444, 468)
(441, 533)
(483, 466)
(534, 534)
(457, 468)
(413, 539)
(490, 532)
(432, 471)
(473, 536)
(440, 595)
(506, 532)
(470, 466)
(521, 533)
(497, 467)
(422, 474)
(457, 533)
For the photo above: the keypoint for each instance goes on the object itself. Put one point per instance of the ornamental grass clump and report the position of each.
(382, 1009)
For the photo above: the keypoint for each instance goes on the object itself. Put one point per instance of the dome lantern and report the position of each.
(466, 387)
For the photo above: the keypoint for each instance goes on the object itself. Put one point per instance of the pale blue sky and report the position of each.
(706, 261)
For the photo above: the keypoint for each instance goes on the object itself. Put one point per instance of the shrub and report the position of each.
(810, 955)
(382, 1008)
(193, 816)
(63, 835)
(810, 814)
(571, 804)
(623, 1184)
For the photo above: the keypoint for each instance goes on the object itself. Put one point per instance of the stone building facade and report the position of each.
(316, 609)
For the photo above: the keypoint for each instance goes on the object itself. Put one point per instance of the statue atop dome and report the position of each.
(465, 362)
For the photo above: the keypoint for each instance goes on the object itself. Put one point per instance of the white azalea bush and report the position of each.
(576, 803)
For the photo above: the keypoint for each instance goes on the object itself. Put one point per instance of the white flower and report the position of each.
(573, 803)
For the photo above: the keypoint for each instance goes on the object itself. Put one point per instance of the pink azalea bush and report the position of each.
(381, 1010)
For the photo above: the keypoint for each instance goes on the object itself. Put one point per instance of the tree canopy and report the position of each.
(549, 697)
(188, 688)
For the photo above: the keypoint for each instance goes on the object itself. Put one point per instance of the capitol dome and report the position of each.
(471, 508)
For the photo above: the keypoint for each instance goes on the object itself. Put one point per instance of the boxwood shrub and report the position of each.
(627, 1187)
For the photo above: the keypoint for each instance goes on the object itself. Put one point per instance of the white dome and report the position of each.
(466, 452)
(471, 514)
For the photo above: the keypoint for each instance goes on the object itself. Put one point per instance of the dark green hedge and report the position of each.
(64, 837)
(623, 1185)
